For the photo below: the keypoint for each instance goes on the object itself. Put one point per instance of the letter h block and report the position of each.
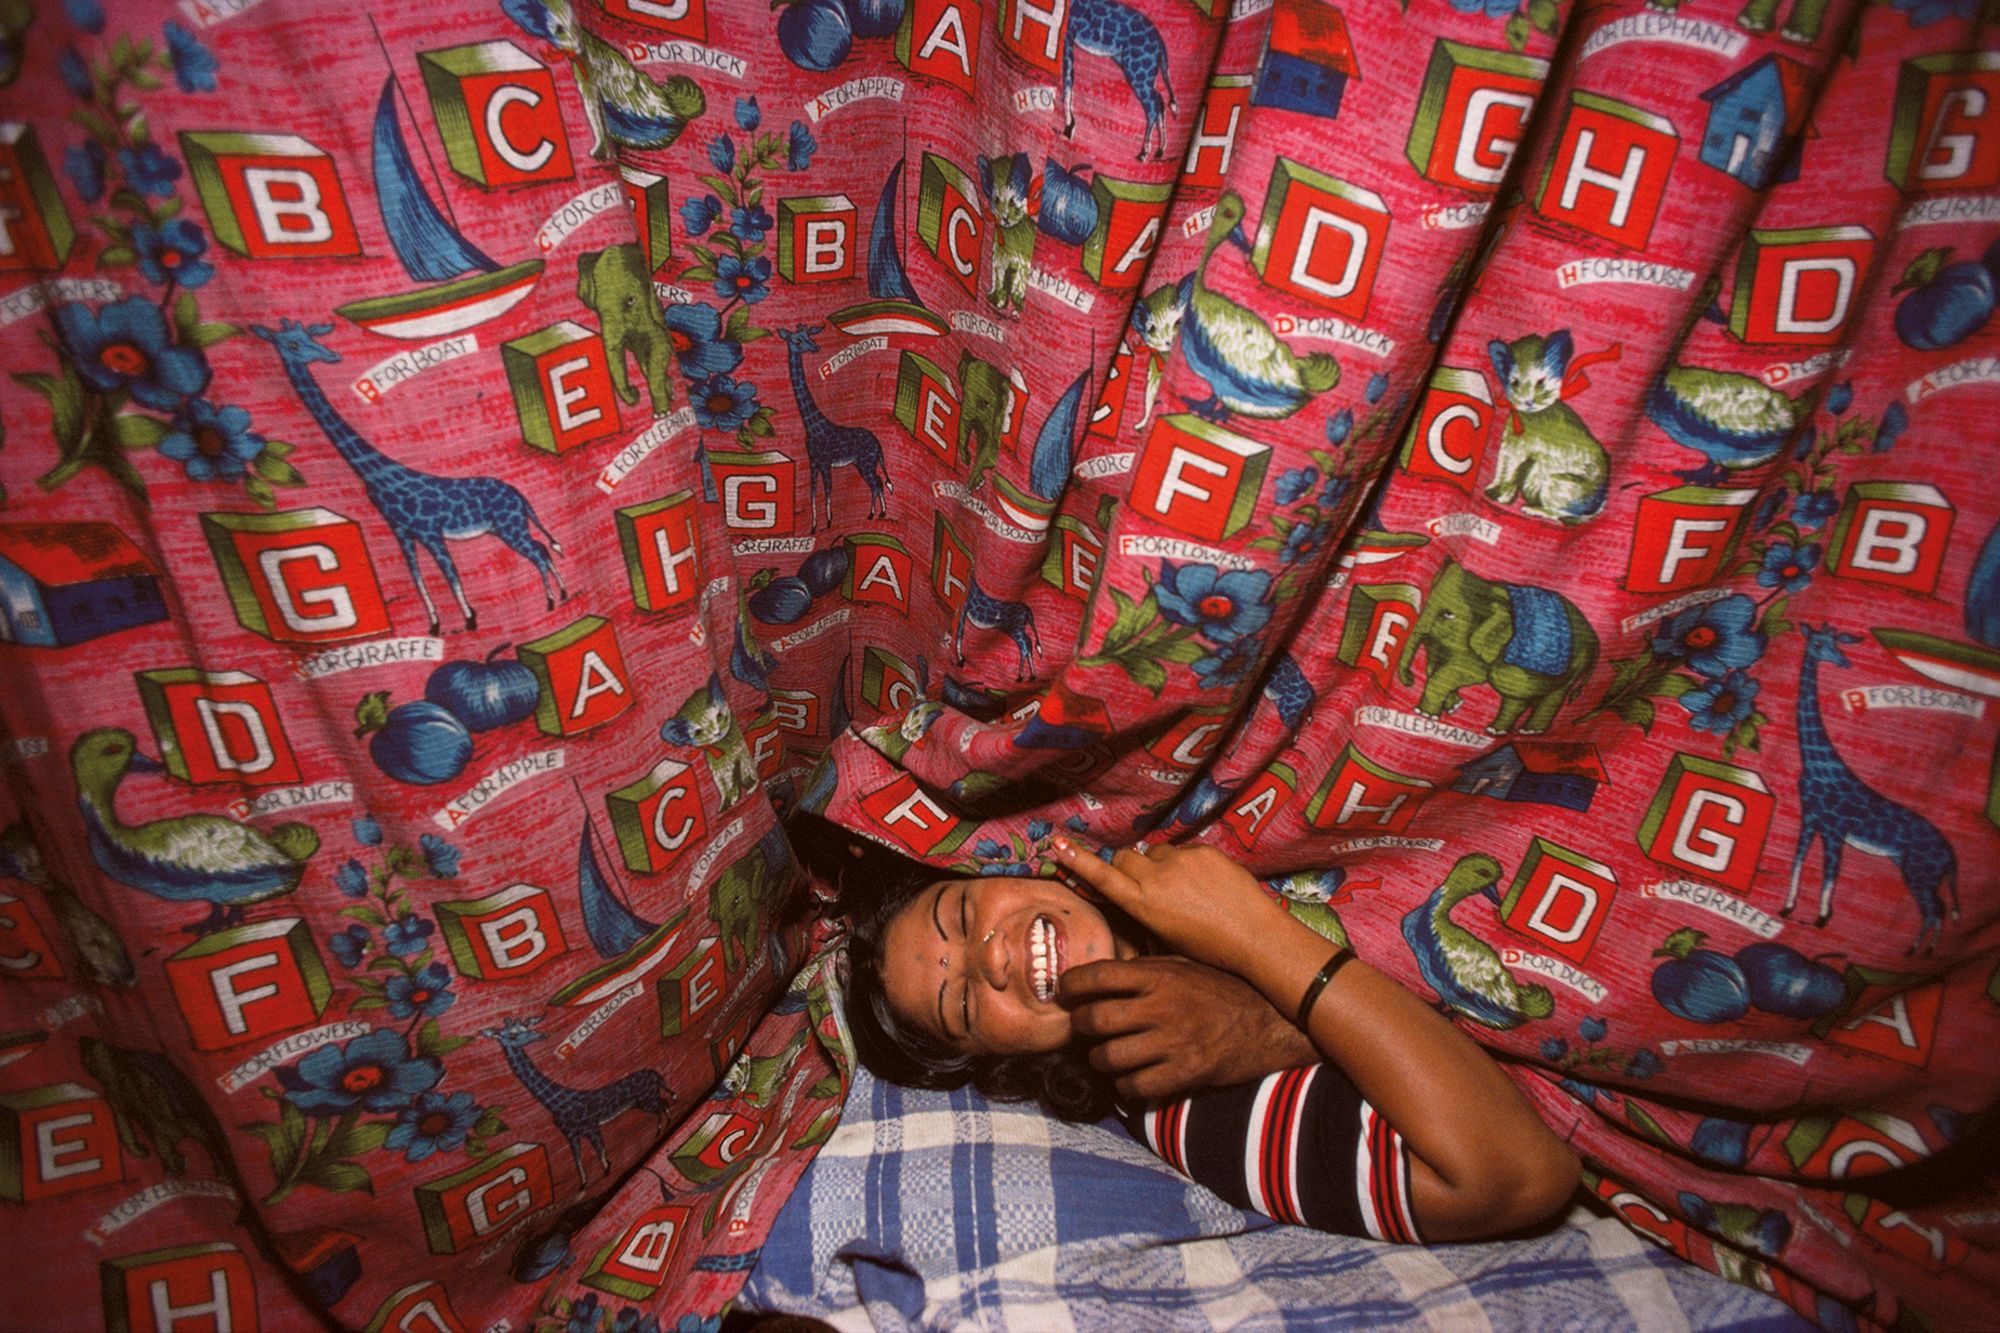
(1609, 171)
(562, 387)
(503, 936)
(298, 576)
(248, 983)
(1798, 287)
(497, 112)
(927, 404)
(1945, 133)
(270, 196)
(1129, 217)
(217, 726)
(463, 1209)
(948, 218)
(1321, 239)
(178, 1289)
(1199, 478)
(1893, 533)
(1212, 146)
(880, 571)
(1032, 32)
(913, 817)
(1709, 819)
(951, 565)
(1454, 423)
(36, 232)
(662, 554)
(816, 238)
(658, 817)
(1470, 114)
(1682, 537)
(1559, 899)
(56, 1140)
(690, 986)
(939, 39)
(1361, 794)
(634, 1265)
(582, 674)
(1379, 617)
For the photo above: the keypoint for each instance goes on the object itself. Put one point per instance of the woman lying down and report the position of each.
(1310, 1088)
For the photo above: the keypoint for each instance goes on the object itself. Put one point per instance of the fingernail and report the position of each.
(1060, 843)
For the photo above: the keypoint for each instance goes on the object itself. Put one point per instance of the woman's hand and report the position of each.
(1200, 904)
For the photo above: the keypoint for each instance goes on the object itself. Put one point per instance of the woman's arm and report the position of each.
(1483, 1163)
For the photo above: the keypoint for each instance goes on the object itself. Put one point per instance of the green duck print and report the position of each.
(1462, 968)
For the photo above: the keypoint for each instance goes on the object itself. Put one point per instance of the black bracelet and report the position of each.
(1341, 958)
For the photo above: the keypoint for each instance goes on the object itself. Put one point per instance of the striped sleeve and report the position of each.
(1300, 1146)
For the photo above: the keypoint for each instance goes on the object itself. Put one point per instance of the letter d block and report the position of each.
(1945, 134)
(760, 491)
(1798, 286)
(1893, 533)
(248, 983)
(940, 40)
(270, 196)
(176, 1290)
(1709, 819)
(646, 194)
(690, 987)
(879, 571)
(1129, 217)
(1683, 537)
(1199, 478)
(1559, 899)
(56, 1140)
(948, 219)
(1321, 239)
(1470, 114)
(299, 576)
(927, 404)
(582, 672)
(633, 1266)
(35, 228)
(217, 726)
(1379, 617)
(711, 1152)
(504, 935)
(1609, 170)
(461, 1210)
(658, 817)
(562, 387)
(913, 817)
(816, 238)
(662, 556)
(1448, 436)
(1361, 795)
(497, 113)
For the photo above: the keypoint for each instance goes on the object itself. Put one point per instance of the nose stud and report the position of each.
(988, 937)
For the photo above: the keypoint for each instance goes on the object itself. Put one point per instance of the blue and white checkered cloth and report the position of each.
(934, 1210)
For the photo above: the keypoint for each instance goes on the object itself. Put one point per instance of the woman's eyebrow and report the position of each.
(937, 899)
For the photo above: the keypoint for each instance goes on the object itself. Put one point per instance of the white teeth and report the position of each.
(1044, 963)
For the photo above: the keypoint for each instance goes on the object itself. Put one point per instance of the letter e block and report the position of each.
(1321, 239)
(298, 576)
(1199, 478)
(1073, 558)
(177, 1290)
(1379, 617)
(1130, 215)
(940, 40)
(503, 936)
(583, 677)
(1449, 434)
(461, 1210)
(662, 554)
(1893, 533)
(927, 404)
(1609, 170)
(1470, 115)
(1798, 286)
(879, 571)
(1709, 819)
(562, 387)
(1361, 794)
(633, 1266)
(816, 238)
(1250, 809)
(690, 987)
(35, 228)
(248, 983)
(270, 196)
(948, 218)
(497, 113)
(217, 726)
(759, 491)
(658, 817)
(1681, 538)
(55, 1140)
(913, 817)
(682, 18)
(1945, 134)
(1559, 899)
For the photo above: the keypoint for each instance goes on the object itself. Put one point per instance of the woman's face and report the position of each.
(979, 962)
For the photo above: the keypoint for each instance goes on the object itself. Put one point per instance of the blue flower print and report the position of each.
(801, 147)
(211, 443)
(1223, 668)
(699, 213)
(632, 1319)
(1301, 542)
(1334, 491)
(1813, 508)
(149, 169)
(1643, 1064)
(75, 74)
(1015, 869)
(1840, 397)
(748, 115)
(172, 253)
(1224, 607)
(440, 856)
(1788, 567)
(1592, 1028)
(427, 993)
(1767, 509)
(1716, 706)
(351, 879)
(695, 331)
(433, 1123)
(749, 224)
(690, 1323)
(1339, 426)
(990, 849)
(1714, 638)
(366, 831)
(1586, 1093)
(85, 14)
(747, 280)
(722, 403)
(1923, 13)
(1378, 383)
(125, 346)
(350, 946)
(1039, 829)
(583, 1315)
(194, 64)
(84, 165)
(375, 1072)
(1077, 824)
(1554, 1048)
(722, 154)
(406, 935)
(1895, 420)
(1294, 483)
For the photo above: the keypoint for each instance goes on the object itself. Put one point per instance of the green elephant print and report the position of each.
(982, 415)
(615, 283)
(1526, 644)
(740, 904)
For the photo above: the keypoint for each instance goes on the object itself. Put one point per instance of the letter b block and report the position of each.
(178, 1290)
(1198, 477)
(217, 726)
(582, 673)
(1893, 533)
(1798, 286)
(461, 1210)
(56, 1140)
(1321, 239)
(1448, 437)
(249, 982)
(1709, 819)
(497, 113)
(816, 238)
(633, 1266)
(562, 387)
(658, 817)
(270, 196)
(504, 935)
(1609, 170)
(1559, 899)
(298, 576)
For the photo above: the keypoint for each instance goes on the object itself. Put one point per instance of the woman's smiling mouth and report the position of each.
(1045, 961)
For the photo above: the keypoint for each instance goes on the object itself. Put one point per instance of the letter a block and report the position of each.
(1361, 794)
(270, 196)
(1609, 170)
(1321, 239)
(682, 18)
(1212, 146)
(298, 576)
(1896, 1024)
(1448, 436)
(461, 1210)
(913, 817)
(633, 1266)
(1893, 533)
(646, 194)
(217, 726)
(940, 40)
(497, 113)
(816, 238)
(1927, 1243)
(248, 983)
(759, 491)
(690, 986)
(178, 1290)
(1470, 114)
(662, 558)
(1798, 287)
(582, 672)
(1709, 819)
(1683, 537)
(1129, 217)
(657, 817)
(56, 1140)
(927, 404)
(1559, 899)
(1263, 796)
(503, 936)
(879, 571)
(1199, 478)
(1945, 134)
(948, 219)
(35, 228)
(562, 387)
(1379, 617)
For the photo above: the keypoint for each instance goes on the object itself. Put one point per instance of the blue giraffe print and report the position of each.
(1128, 38)
(1014, 619)
(580, 1113)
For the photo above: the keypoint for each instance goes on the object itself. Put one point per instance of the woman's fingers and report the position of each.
(1109, 880)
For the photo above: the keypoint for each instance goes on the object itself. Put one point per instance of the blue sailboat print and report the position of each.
(896, 308)
(466, 287)
(1049, 465)
(631, 945)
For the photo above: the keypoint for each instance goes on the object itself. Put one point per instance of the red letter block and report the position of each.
(1448, 436)
(1073, 558)
(1105, 418)
(1894, 533)
(690, 986)
(270, 196)
(421, 1307)
(908, 813)
(24, 946)
(940, 39)
(888, 683)
(1199, 478)
(927, 404)
(1266, 794)
(797, 711)
(187, 1289)
(582, 674)
(1946, 131)
(1321, 239)
(217, 726)
(766, 742)
(634, 1265)
(497, 114)
(562, 387)
(1798, 286)
(250, 982)
(1191, 740)
(1379, 617)
(879, 571)
(1899, 1025)
(462, 1209)
(504, 935)
(682, 18)
(657, 817)
(759, 491)
(35, 228)
(1470, 114)
(816, 238)
(1609, 171)
(951, 564)
(298, 576)
(1899, 1233)
(1129, 217)
(1212, 146)
(1033, 31)
(1865, 1143)
(724, 1139)
(1709, 819)
(1361, 794)
(1559, 899)
(647, 195)
(948, 219)
(1682, 537)
(56, 1140)
(661, 556)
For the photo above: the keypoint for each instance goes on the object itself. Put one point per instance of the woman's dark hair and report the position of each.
(871, 884)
